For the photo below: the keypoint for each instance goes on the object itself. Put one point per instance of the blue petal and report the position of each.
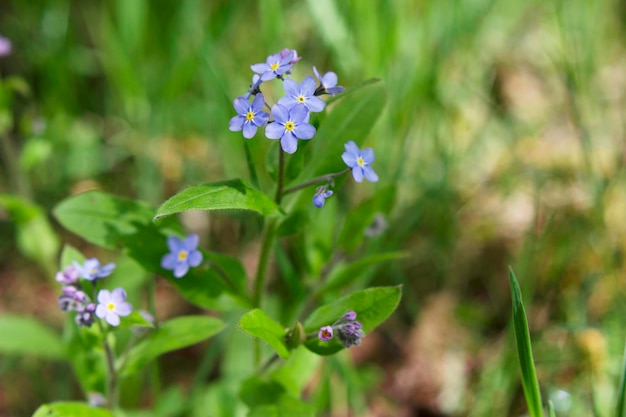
(181, 269)
(260, 68)
(268, 75)
(308, 86)
(298, 113)
(169, 261)
(335, 90)
(274, 130)
(318, 201)
(292, 89)
(368, 155)
(289, 142)
(241, 105)
(329, 80)
(288, 102)
(357, 173)
(191, 242)
(249, 130)
(236, 123)
(195, 258)
(280, 113)
(286, 59)
(370, 175)
(304, 131)
(352, 148)
(175, 244)
(257, 103)
(317, 74)
(349, 159)
(315, 104)
(261, 118)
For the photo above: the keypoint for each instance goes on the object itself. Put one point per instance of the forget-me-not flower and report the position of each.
(302, 94)
(183, 254)
(249, 117)
(274, 66)
(321, 194)
(328, 83)
(68, 276)
(92, 269)
(348, 330)
(289, 125)
(325, 333)
(360, 162)
(112, 305)
(5, 46)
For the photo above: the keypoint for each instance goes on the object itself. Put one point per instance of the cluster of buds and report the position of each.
(348, 330)
(111, 305)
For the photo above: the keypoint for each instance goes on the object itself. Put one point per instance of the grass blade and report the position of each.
(551, 412)
(524, 350)
(620, 409)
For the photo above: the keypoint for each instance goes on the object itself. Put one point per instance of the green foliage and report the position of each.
(286, 406)
(524, 350)
(620, 404)
(225, 195)
(372, 305)
(71, 409)
(171, 335)
(27, 336)
(258, 324)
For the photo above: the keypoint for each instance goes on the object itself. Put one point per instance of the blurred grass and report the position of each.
(504, 133)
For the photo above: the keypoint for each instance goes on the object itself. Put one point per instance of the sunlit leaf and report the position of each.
(71, 409)
(27, 336)
(258, 324)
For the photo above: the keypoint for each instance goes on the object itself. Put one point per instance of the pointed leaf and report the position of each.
(26, 336)
(258, 324)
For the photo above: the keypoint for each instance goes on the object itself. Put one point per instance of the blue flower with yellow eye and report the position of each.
(289, 125)
(183, 255)
(360, 162)
(249, 117)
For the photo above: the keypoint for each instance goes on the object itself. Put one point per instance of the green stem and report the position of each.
(316, 180)
(264, 256)
(112, 375)
(281, 174)
(253, 176)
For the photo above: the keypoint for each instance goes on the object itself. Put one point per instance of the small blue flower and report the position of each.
(254, 86)
(250, 116)
(91, 269)
(289, 125)
(321, 194)
(5, 46)
(275, 65)
(183, 254)
(302, 94)
(328, 83)
(112, 305)
(360, 162)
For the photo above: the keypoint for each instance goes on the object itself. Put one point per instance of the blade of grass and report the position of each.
(524, 350)
(551, 412)
(620, 409)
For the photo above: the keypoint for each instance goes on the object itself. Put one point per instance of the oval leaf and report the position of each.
(372, 306)
(171, 335)
(259, 324)
(225, 195)
(26, 336)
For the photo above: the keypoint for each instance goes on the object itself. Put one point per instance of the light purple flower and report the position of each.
(325, 333)
(360, 162)
(289, 125)
(275, 65)
(302, 94)
(254, 86)
(328, 83)
(112, 305)
(92, 269)
(286, 51)
(321, 194)
(250, 116)
(5, 46)
(183, 254)
(69, 275)
(85, 314)
(349, 316)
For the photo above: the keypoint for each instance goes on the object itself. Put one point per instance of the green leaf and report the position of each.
(225, 195)
(171, 335)
(134, 319)
(256, 391)
(620, 406)
(551, 412)
(372, 305)
(26, 336)
(259, 324)
(344, 274)
(69, 254)
(524, 350)
(70, 409)
(287, 406)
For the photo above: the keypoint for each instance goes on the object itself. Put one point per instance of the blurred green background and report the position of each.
(504, 132)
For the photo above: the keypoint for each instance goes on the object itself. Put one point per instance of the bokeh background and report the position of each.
(503, 130)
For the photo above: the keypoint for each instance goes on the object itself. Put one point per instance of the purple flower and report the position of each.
(85, 314)
(321, 194)
(325, 333)
(289, 125)
(91, 269)
(328, 83)
(295, 58)
(302, 94)
(112, 305)
(5, 46)
(69, 275)
(275, 65)
(183, 254)
(359, 162)
(249, 117)
(349, 316)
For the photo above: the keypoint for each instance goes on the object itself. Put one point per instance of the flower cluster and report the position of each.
(73, 298)
(347, 328)
(183, 254)
(292, 112)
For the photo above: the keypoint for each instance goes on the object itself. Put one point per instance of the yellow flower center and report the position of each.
(360, 161)
(111, 306)
(275, 66)
(289, 125)
(301, 99)
(250, 116)
(182, 255)
(93, 271)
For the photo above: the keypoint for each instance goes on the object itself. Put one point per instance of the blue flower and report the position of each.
(91, 269)
(183, 254)
(321, 194)
(68, 276)
(348, 330)
(254, 86)
(328, 83)
(302, 94)
(250, 116)
(5, 46)
(289, 125)
(275, 65)
(112, 305)
(360, 162)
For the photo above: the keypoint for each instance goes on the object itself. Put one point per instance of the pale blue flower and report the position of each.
(289, 125)
(112, 305)
(183, 255)
(360, 162)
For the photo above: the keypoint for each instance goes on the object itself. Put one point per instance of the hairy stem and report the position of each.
(316, 180)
